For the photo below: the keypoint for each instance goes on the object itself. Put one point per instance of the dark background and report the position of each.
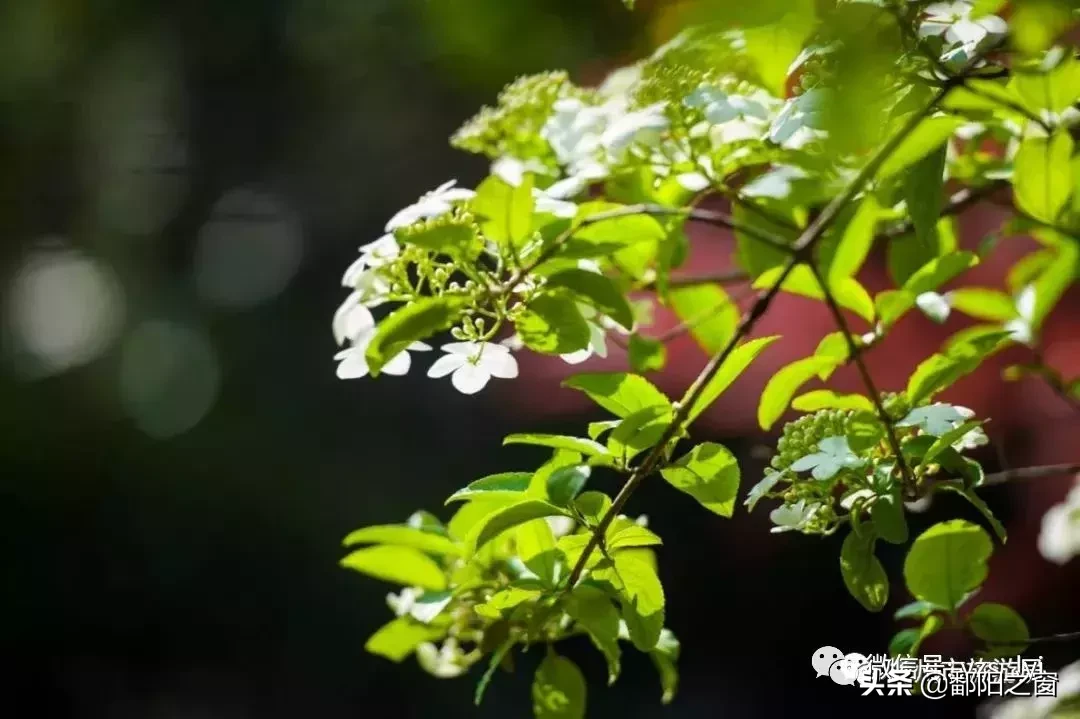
(172, 499)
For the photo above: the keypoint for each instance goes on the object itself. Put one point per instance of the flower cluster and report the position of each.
(851, 465)
(1059, 539)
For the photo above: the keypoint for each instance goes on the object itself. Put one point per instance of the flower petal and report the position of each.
(499, 364)
(398, 365)
(352, 365)
(470, 378)
(445, 365)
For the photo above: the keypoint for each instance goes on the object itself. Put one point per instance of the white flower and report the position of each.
(642, 126)
(934, 306)
(693, 181)
(352, 319)
(794, 127)
(446, 662)
(935, 419)
(573, 131)
(597, 338)
(833, 455)
(1068, 685)
(789, 517)
(352, 364)
(513, 343)
(435, 203)
(720, 107)
(1059, 538)
(473, 364)
(1021, 327)
(512, 171)
(953, 20)
(402, 604)
(567, 187)
(545, 202)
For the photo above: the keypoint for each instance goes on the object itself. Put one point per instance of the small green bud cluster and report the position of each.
(801, 436)
(896, 404)
(512, 127)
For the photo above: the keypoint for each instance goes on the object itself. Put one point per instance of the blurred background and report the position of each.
(181, 186)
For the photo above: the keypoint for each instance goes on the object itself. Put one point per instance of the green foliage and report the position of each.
(831, 129)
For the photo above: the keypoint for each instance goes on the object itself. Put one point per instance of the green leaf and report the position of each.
(909, 252)
(597, 291)
(847, 292)
(709, 312)
(399, 638)
(403, 536)
(890, 524)
(946, 440)
(891, 305)
(928, 136)
(938, 371)
(924, 192)
(506, 518)
(566, 483)
(783, 385)
(940, 270)
(977, 502)
(594, 612)
(772, 46)
(739, 359)
(558, 441)
(863, 574)
(625, 533)
(947, 561)
(1051, 284)
(753, 255)
(593, 506)
(400, 565)
(855, 243)
(620, 393)
(710, 474)
(918, 609)
(646, 354)
(638, 588)
(666, 657)
(451, 239)
(983, 303)
(1042, 175)
(827, 399)
(1053, 90)
(409, 323)
(558, 690)
(596, 237)
(504, 212)
(469, 514)
(505, 485)
(496, 660)
(908, 641)
(638, 432)
(1004, 631)
(535, 544)
(552, 324)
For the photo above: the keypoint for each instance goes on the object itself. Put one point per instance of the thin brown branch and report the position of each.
(855, 353)
(960, 201)
(1054, 380)
(724, 277)
(1025, 473)
(656, 454)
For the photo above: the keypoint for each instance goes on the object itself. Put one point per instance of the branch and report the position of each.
(1054, 380)
(960, 201)
(801, 250)
(653, 458)
(1050, 470)
(856, 354)
(1048, 639)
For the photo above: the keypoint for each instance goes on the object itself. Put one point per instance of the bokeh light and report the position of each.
(248, 251)
(169, 377)
(64, 308)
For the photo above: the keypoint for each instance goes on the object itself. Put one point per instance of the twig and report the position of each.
(1054, 380)
(724, 277)
(800, 250)
(856, 355)
(1024, 473)
(1048, 639)
(960, 201)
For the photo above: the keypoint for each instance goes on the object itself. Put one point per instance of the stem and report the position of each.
(655, 455)
(1050, 470)
(868, 381)
(801, 250)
